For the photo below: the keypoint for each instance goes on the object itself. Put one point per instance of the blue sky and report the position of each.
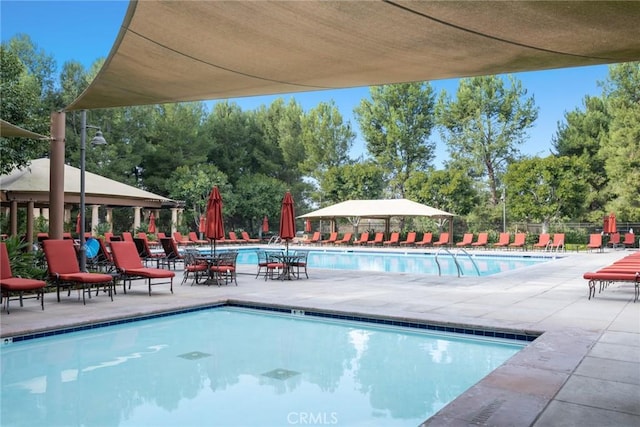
(85, 31)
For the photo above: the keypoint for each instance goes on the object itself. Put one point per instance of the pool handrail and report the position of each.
(452, 256)
(470, 259)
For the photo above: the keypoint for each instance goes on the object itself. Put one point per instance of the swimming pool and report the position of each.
(193, 369)
(447, 264)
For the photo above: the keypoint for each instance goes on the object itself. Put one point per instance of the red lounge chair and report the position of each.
(558, 242)
(377, 240)
(10, 284)
(172, 254)
(443, 240)
(247, 239)
(595, 241)
(333, 237)
(624, 270)
(614, 240)
(629, 240)
(520, 241)
(62, 264)
(503, 240)
(314, 239)
(193, 238)
(427, 240)
(181, 241)
(161, 235)
(483, 239)
(346, 239)
(233, 238)
(394, 240)
(364, 238)
(411, 239)
(107, 236)
(129, 264)
(127, 237)
(144, 251)
(467, 239)
(543, 241)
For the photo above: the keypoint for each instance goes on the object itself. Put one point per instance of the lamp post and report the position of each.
(504, 210)
(97, 140)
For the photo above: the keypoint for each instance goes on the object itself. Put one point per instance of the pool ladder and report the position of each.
(455, 259)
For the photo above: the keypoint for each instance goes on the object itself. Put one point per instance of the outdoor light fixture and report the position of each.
(98, 139)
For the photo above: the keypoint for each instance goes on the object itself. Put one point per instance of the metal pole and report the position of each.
(504, 211)
(83, 146)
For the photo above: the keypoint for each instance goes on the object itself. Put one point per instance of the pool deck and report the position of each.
(584, 369)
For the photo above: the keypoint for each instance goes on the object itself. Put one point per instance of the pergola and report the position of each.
(187, 50)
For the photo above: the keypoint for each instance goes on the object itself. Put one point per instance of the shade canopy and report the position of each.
(32, 184)
(377, 209)
(8, 130)
(197, 50)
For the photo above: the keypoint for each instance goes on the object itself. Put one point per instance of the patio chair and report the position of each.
(543, 241)
(247, 238)
(411, 239)
(629, 240)
(193, 267)
(172, 253)
(595, 241)
(394, 240)
(364, 238)
(63, 268)
(127, 236)
(503, 241)
(262, 262)
(144, 251)
(107, 236)
(129, 265)
(346, 239)
(332, 239)
(300, 263)
(151, 243)
(11, 285)
(557, 244)
(467, 239)
(275, 265)
(377, 240)
(520, 241)
(314, 239)
(233, 238)
(104, 260)
(193, 237)
(181, 241)
(443, 240)
(427, 240)
(225, 267)
(483, 240)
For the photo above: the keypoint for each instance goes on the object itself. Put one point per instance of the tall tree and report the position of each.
(396, 125)
(484, 125)
(451, 190)
(358, 181)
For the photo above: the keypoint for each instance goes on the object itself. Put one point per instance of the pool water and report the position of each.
(239, 367)
(410, 262)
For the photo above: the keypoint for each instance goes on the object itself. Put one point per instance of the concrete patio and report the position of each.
(583, 370)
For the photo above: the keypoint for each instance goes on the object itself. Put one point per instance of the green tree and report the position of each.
(450, 190)
(258, 195)
(358, 181)
(396, 125)
(622, 148)
(546, 189)
(483, 126)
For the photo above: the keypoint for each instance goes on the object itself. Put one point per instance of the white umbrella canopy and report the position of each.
(385, 208)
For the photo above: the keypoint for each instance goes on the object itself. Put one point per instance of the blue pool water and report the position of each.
(239, 367)
(472, 264)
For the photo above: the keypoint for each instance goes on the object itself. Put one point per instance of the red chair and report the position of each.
(314, 239)
(394, 240)
(181, 241)
(127, 236)
(411, 239)
(10, 284)
(364, 238)
(629, 240)
(427, 240)
(595, 241)
(443, 240)
(467, 239)
(333, 237)
(483, 240)
(543, 241)
(193, 237)
(377, 240)
(520, 241)
(63, 267)
(233, 238)
(503, 240)
(247, 238)
(129, 265)
(346, 239)
(557, 243)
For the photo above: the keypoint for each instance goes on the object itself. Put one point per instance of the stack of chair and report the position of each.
(626, 270)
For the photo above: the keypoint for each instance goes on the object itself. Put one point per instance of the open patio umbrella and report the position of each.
(214, 226)
(265, 224)
(287, 220)
(152, 224)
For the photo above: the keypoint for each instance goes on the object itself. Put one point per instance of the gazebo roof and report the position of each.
(386, 208)
(32, 184)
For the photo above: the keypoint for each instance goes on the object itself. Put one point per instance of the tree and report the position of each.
(450, 190)
(483, 126)
(359, 181)
(258, 195)
(396, 125)
(546, 189)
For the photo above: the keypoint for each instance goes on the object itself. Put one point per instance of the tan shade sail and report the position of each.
(32, 184)
(377, 209)
(7, 130)
(170, 51)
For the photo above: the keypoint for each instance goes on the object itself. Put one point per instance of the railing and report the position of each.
(455, 260)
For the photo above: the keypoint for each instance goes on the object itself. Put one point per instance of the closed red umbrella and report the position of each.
(78, 224)
(214, 225)
(152, 224)
(613, 227)
(287, 220)
(307, 226)
(202, 227)
(265, 224)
